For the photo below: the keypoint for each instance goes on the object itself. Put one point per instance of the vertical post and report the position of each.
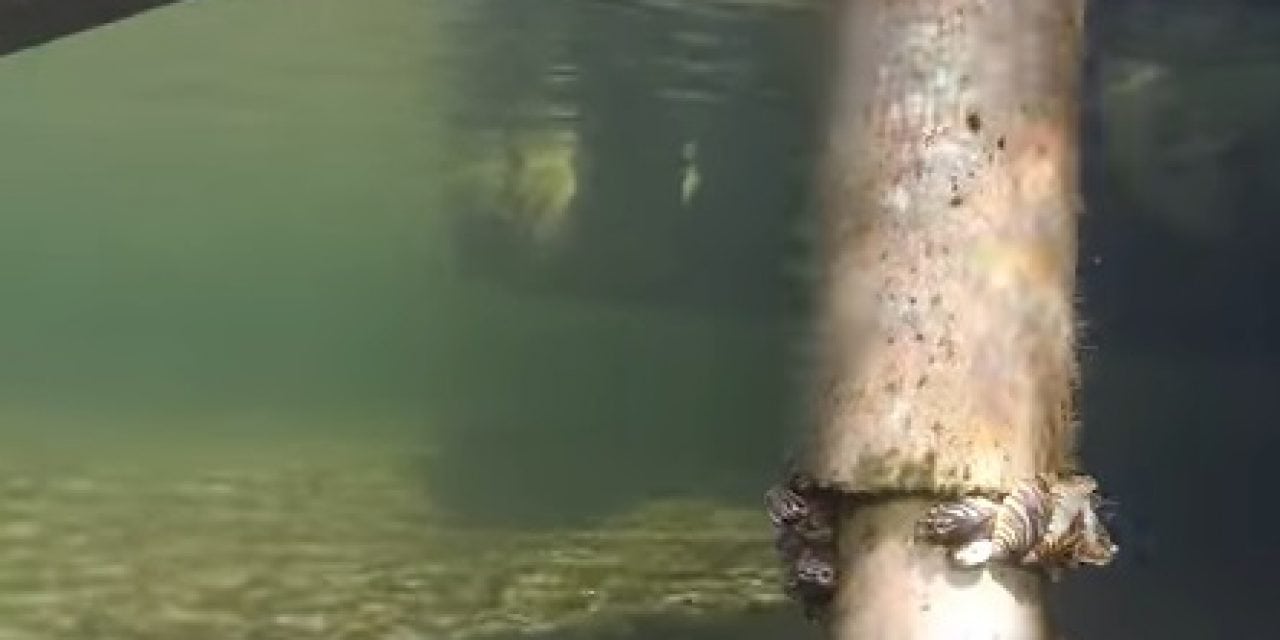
(946, 321)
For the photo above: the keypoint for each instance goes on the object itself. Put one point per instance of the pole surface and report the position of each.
(946, 326)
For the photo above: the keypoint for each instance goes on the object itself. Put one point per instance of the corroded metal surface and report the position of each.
(946, 330)
(950, 199)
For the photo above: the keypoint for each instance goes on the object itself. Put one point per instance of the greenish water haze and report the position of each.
(244, 393)
(231, 210)
(222, 204)
(300, 339)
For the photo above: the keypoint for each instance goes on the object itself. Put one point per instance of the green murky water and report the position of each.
(433, 319)
(245, 392)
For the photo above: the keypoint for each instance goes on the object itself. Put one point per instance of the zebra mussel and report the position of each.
(803, 519)
(1050, 522)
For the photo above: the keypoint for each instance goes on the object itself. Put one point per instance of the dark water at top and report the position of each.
(427, 319)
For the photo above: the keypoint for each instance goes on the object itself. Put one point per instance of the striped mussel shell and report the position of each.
(1022, 519)
(814, 569)
(953, 524)
(811, 581)
(1093, 546)
(798, 506)
(1048, 521)
(785, 506)
(1075, 534)
(802, 515)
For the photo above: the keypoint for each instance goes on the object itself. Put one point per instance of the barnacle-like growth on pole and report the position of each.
(1049, 522)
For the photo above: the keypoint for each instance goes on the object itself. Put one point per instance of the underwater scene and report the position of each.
(480, 319)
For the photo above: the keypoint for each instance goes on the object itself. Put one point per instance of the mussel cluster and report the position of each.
(803, 517)
(1050, 522)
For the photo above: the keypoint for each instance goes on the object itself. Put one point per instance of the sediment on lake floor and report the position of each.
(342, 550)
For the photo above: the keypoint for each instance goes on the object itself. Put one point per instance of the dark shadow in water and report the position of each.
(653, 90)
(561, 448)
(593, 422)
(28, 23)
(639, 80)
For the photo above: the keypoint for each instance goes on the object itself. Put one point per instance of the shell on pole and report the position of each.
(945, 308)
(803, 518)
(1049, 522)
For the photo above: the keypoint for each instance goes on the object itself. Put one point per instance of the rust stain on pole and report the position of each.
(946, 326)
